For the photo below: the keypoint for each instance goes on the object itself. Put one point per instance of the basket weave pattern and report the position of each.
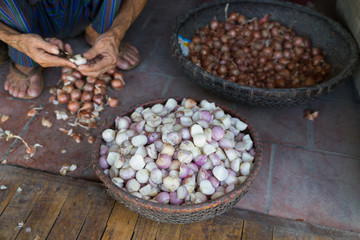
(174, 213)
(342, 50)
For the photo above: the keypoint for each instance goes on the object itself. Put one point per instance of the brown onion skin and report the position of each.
(88, 87)
(85, 114)
(317, 59)
(98, 99)
(196, 39)
(75, 94)
(268, 51)
(91, 80)
(68, 88)
(101, 83)
(241, 19)
(87, 96)
(88, 106)
(315, 51)
(117, 83)
(261, 53)
(113, 102)
(77, 74)
(66, 70)
(280, 83)
(79, 83)
(105, 76)
(73, 106)
(233, 16)
(118, 75)
(222, 69)
(63, 98)
(214, 24)
(100, 90)
(65, 77)
(111, 71)
(309, 81)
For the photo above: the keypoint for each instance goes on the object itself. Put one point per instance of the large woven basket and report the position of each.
(342, 50)
(182, 213)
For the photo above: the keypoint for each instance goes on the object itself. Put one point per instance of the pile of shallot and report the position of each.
(173, 153)
(86, 96)
(261, 53)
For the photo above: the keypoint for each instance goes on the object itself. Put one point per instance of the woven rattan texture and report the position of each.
(341, 48)
(181, 213)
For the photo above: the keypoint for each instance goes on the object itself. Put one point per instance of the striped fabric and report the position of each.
(55, 18)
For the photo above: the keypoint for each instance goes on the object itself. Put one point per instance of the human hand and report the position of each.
(45, 51)
(101, 57)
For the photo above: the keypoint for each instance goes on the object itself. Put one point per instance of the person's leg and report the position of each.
(4, 57)
(101, 21)
(61, 18)
(13, 14)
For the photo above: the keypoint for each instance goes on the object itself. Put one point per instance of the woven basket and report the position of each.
(178, 213)
(341, 48)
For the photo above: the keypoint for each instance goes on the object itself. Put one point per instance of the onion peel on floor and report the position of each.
(4, 118)
(311, 115)
(67, 168)
(33, 111)
(46, 122)
(70, 132)
(30, 149)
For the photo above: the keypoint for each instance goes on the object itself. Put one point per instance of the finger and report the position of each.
(90, 74)
(54, 61)
(69, 49)
(91, 53)
(47, 60)
(57, 42)
(48, 47)
(95, 67)
(70, 64)
(95, 74)
(93, 71)
(62, 62)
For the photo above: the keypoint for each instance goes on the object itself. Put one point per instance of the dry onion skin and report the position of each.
(177, 154)
(261, 53)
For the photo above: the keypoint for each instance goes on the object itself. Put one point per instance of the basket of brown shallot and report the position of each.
(178, 160)
(263, 52)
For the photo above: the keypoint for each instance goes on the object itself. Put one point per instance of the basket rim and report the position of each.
(342, 76)
(240, 189)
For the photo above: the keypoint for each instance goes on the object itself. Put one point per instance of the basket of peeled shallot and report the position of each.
(178, 160)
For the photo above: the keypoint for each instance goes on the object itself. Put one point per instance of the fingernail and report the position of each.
(55, 50)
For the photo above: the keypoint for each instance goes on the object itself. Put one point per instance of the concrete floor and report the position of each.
(310, 169)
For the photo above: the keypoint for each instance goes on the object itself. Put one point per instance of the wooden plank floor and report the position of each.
(38, 205)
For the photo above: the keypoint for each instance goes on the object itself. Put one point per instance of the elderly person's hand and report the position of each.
(101, 57)
(104, 55)
(44, 51)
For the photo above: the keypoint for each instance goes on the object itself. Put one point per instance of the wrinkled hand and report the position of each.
(43, 51)
(101, 57)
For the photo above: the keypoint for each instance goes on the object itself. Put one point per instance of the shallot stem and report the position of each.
(10, 135)
(226, 10)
